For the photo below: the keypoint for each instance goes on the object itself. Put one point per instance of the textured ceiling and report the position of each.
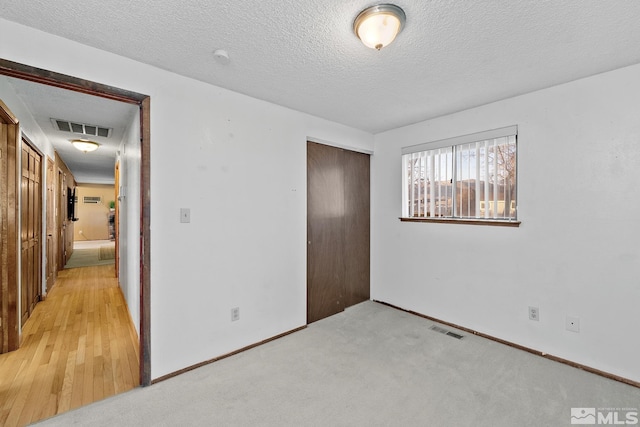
(452, 55)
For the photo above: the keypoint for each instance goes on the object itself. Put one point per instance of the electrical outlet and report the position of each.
(235, 314)
(534, 313)
(572, 324)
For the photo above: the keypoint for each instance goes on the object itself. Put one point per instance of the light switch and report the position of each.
(185, 215)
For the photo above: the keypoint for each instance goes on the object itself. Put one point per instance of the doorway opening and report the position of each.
(36, 75)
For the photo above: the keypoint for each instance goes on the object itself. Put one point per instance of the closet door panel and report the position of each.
(357, 227)
(325, 232)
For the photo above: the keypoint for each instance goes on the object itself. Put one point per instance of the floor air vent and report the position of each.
(445, 332)
(83, 128)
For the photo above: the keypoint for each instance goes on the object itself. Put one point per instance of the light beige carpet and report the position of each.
(369, 366)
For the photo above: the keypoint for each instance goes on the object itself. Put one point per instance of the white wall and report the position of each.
(28, 125)
(576, 252)
(239, 164)
(129, 206)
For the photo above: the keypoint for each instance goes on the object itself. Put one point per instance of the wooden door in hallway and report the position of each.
(3, 238)
(31, 230)
(61, 229)
(51, 266)
(9, 143)
(337, 230)
(116, 217)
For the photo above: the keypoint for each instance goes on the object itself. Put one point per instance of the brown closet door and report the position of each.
(357, 227)
(325, 231)
(337, 230)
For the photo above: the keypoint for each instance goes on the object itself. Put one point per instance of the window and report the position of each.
(467, 177)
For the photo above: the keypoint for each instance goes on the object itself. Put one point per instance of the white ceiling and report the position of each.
(452, 55)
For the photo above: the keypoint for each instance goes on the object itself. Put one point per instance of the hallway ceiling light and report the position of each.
(85, 145)
(377, 26)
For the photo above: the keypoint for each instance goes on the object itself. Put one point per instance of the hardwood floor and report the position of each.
(78, 346)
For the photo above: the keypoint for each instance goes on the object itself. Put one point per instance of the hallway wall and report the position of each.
(129, 205)
(28, 124)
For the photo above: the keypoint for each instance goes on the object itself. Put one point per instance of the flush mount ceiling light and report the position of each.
(377, 26)
(85, 145)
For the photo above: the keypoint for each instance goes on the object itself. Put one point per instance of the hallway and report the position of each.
(79, 346)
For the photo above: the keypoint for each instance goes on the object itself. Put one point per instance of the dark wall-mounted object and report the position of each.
(71, 204)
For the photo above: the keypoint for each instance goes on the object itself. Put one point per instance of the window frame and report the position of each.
(454, 145)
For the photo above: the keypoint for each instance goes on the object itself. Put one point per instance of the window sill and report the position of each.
(492, 222)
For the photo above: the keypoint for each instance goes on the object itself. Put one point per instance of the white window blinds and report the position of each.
(474, 178)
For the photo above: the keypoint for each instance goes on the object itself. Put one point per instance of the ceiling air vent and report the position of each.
(81, 128)
(63, 126)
